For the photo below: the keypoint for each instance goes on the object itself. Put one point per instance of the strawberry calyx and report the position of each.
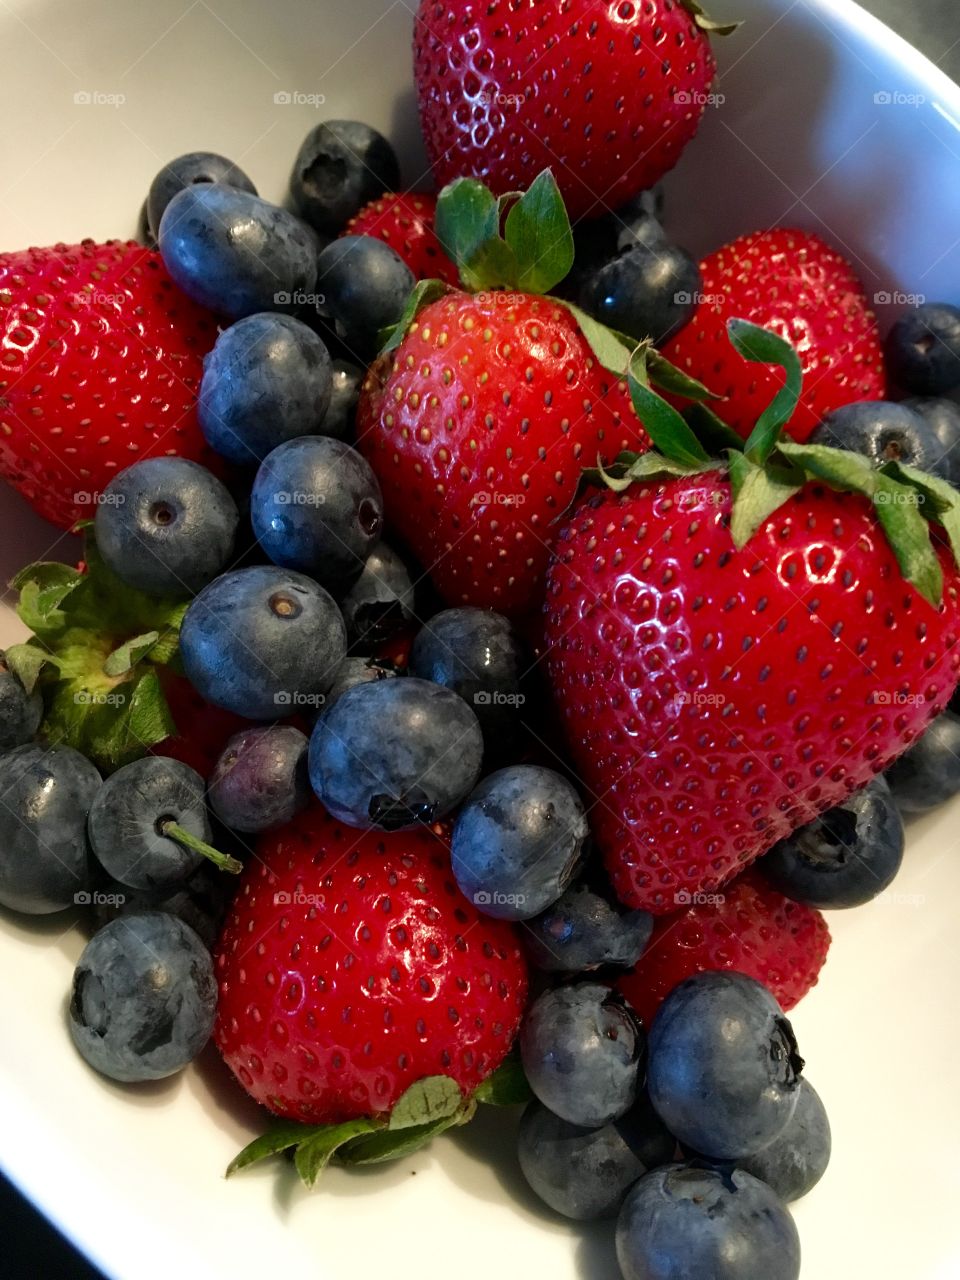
(706, 23)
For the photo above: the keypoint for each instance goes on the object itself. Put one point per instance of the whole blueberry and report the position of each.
(923, 350)
(268, 379)
(928, 774)
(365, 286)
(235, 253)
(581, 931)
(882, 432)
(45, 796)
(381, 601)
(166, 526)
(261, 779)
(943, 418)
(144, 998)
(585, 1173)
(316, 507)
(394, 753)
(340, 419)
(598, 240)
(684, 1222)
(797, 1158)
(519, 841)
(187, 171)
(20, 712)
(341, 166)
(354, 671)
(582, 1048)
(649, 291)
(845, 857)
(723, 1072)
(201, 901)
(262, 642)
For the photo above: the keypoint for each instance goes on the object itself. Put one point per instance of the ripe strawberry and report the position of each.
(405, 222)
(749, 928)
(351, 967)
(791, 282)
(102, 358)
(202, 729)
(609, 94)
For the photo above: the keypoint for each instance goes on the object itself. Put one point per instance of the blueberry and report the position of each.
(845, 857)
(519, 841)
(582, 1048)
(200, 901)
(262, 642)
(586, 1173)
(45, 795)
(166, 526)
(797, 1158)
(882, 432)
(650, 291)
(365, 286)
(261, 780)
(267, 380)
(144, 998)
(929, 773)
(341, 166)
(395, 752)
(341, 416)
(724, 1072)
(478, 654)
(683, 1221)
(380, 603)
(943, 418)
(581, 931)
(186, 171)
(235, 253)
(354, 671)
(598, 240)
(20, 712)
(316, 507)
(923, 350)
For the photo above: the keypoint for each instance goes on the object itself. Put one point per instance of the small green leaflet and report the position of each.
(424, 293)
(757, 493)
(645, 466)
(129, 654)
(507, 1086)
(538, 231)
(941, 500)
(696, 10)
(278, 1139)
(667, 377)
(43, 588)
(393, 1144)
(314, 1154)
(467, 216)
(663, 424)
(26, 661)
(432, 1098)
(764, 347)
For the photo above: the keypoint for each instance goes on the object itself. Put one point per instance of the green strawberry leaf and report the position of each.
(696, 11)
(667, 377)
(393, 1144)
(712, 432)
(493, 266)
(281, 1137)
(663, 424)
(43, 588)
(612, 350)
(631, 468)
(538, 231)
(467, 216)
(27, 662)
(757, 493)
(423, 294)
(430, 1099)
(941, 501)
(124, 658)
(764, 347)
(507, 1086)
(314, 1154)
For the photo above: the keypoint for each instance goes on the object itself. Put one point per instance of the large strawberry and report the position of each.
(405, 223)
(102, 358)
(609, 93)
(736, 648)
(791, 282)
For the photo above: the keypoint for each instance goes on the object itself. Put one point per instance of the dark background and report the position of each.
(31, 1248)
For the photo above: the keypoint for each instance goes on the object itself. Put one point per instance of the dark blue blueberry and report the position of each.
(923, 350)
(341, 416)
(261, 779)
(45, 796)
(583, 1048)
(268, 379)
(395, 752)
(929, 773)
(585, 1173)
(723, 1072)
(845, 857)
(186, 171)
(688, 1223)
(144, 998)
(365, 286)
(519, 841)
(380, 603)
(201, 901)
(166, 526)
(598, 240)
(20, 712)
(237, 254)
(262, 642)
(582, 932)
(316, 507)
(797, 1158)
(341, 166)
(354, 671)
(649, 291)
(943, 418)
(882, 432)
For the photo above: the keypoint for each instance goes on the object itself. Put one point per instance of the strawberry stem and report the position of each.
(173, 831)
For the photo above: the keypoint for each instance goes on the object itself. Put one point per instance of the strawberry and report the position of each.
(749, 928)
(351, 968)
(608, 93)
(791, 282)
(202, 729)
(102, 358)
(405, 222)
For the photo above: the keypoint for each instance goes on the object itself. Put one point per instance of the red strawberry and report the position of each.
(405, 222)
(102, 358)
(791, 282)
(351, 967)
(202, 729)
(750, 928)
(608, 94)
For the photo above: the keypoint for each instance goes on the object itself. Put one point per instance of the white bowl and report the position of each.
(830, 121)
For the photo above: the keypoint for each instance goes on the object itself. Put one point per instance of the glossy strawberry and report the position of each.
(793, 283)
(202, 729)
(351, 967)
(608, 93)
(405, 222)
(749, 927)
